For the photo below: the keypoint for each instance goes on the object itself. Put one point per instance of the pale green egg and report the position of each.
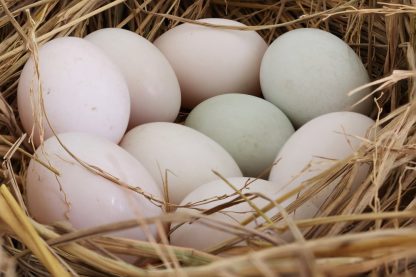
(308, 72)
(251, 129)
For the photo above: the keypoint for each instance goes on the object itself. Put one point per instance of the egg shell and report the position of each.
(211, 61)
(188, 156)
(93, 200)
(315, 147)
(309, 72)
(82, 91)
(154, 89)
(251, 129)
(199, 236)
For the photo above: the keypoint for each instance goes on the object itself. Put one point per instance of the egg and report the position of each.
(251, 129)
(315, 147)
(82, 91)
(199, 236)
(212, 61)
(188, 157)
(154, 89)
(309, 72)
(83, 198)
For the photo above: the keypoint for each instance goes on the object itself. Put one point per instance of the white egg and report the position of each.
(82, 197)
(251, 129)
(154, 89)
(199, 236)
(309, 72)
(315, 147)
(212, 61)
(82, 91)
(188, 156)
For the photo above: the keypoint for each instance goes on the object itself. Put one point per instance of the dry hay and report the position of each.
(370, 232)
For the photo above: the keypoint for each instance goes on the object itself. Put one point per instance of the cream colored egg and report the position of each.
(309, 72)
(315, 147)
(211, 61)
(154, 89)
(83, 198)
(199, 236)
(187, 157)
(82, 91)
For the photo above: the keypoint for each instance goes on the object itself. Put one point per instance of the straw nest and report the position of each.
(368, 233)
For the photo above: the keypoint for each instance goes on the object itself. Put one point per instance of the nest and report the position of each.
(369, 233)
